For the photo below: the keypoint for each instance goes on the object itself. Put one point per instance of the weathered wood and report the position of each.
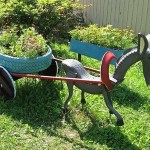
(134, 14)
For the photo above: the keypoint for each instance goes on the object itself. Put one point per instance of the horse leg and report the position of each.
(110, 101)
(70, 89)
(110, 106)
(83, 98)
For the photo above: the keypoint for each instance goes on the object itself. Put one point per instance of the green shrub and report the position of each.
(52, 18)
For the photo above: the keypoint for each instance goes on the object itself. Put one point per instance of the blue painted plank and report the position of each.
(92, 50)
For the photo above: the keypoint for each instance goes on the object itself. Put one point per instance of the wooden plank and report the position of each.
(122, 12)
(95, 13)
(134, 14)
(113, 12)
(98, 15)
(147, 31)
(105, 8)
(130, 13)
(117, 13)
(144, 17)
(125, 8)
(109, 11)
(139, 18)
(101, 11)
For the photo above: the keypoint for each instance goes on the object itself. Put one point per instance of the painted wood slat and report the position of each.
(129, 13)
(101, 12)
(139, 16)
(125, 20)
(148, 20)
(105, 7)
(117, 13)
(120, 13)
(95, 13)
(98, 14)
(109, 12)
(144, 16)
(134, 14)
(113, 12)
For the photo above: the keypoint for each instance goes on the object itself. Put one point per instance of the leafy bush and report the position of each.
(105, 36)
(28, 44)
(49, 17)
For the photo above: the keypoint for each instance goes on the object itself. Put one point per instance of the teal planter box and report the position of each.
(92, 50)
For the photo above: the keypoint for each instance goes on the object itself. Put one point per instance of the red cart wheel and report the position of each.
(7, 88)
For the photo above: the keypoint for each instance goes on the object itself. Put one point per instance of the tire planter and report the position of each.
(7, 86)
(92, 50)
(26, 65)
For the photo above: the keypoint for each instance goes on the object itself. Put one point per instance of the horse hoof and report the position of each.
(120, 123)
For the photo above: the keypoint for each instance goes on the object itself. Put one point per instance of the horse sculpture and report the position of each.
(74, 69)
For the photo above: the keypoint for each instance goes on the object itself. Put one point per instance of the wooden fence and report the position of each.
(134, 14)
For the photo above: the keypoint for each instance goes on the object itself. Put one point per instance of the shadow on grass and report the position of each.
(37, 103)
(111, 136)
(127, 97)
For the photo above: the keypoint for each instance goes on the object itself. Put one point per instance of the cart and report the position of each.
(8, 90)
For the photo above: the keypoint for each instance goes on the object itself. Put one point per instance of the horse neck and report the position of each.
(124, 64)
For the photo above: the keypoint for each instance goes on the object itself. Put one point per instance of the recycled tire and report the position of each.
(52, 70)
(7, 87)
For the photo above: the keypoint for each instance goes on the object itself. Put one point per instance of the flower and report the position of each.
(31, 40)
(37, 46)
(28, 44)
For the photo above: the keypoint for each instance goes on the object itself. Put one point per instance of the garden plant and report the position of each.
(105, 36)
(26, 43)
(34, 118)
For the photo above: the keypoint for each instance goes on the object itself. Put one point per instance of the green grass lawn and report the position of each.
(34, 119)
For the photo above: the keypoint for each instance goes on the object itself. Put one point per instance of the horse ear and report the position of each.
(142, 44)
